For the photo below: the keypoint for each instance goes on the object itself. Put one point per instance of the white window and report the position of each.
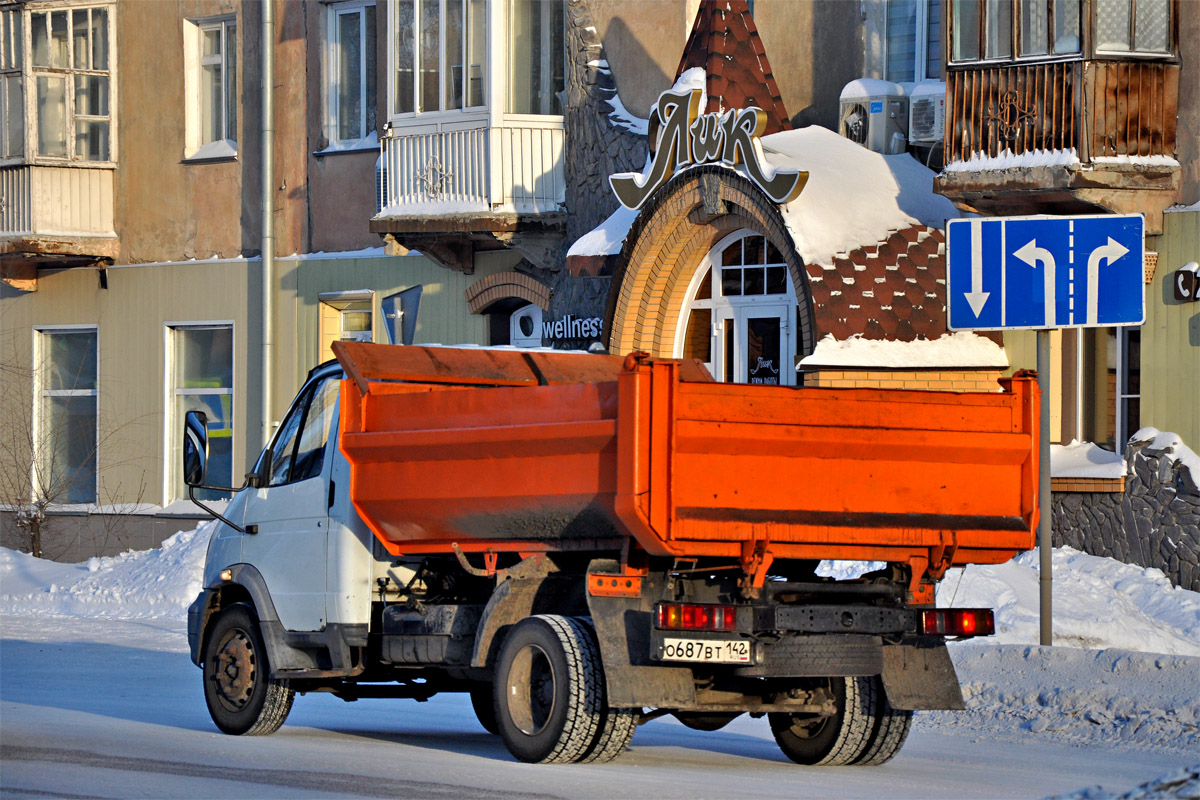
(739, 315)
(537, 60)
(65, 424)
(210, 57)
(350, 73)
(201, 373)
(914, 40)
(12, 85)
(439, 55)
(1141, 26)
(64, 55)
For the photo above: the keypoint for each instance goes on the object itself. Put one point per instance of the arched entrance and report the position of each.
(739, 313)
(710, 243)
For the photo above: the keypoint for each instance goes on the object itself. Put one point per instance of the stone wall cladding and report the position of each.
(595, 147)
(1155, 523)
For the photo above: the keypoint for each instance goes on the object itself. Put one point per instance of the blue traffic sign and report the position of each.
(1045, 272)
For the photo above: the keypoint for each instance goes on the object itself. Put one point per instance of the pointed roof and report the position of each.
(725, 43)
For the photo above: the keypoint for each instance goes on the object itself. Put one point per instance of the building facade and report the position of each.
(441, 174)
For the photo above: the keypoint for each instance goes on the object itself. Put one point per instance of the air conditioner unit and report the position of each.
(525, 327)
(874, 114)
(927, 113)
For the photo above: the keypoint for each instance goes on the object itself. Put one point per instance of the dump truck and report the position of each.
(586, 542)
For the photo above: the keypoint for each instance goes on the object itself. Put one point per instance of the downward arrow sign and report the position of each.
(1108, 253)
(976, 298)
(1030, 253)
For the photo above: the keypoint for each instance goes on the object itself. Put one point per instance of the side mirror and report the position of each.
(195, 448)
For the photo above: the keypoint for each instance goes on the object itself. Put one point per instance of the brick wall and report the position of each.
(955, 380)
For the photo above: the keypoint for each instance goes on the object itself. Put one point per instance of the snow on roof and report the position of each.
(1085, 460)
(1007, 160)
(1173, 449)
(854, 197)
(962, 349)
(608, 237)
(1181, 209)
(623, 118)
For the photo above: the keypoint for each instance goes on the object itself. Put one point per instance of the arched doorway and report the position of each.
(739, 313)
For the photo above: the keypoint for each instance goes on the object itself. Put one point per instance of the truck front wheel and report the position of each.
(549, 690)
(241, 696)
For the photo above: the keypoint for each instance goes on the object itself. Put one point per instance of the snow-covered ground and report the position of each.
(1123, 679)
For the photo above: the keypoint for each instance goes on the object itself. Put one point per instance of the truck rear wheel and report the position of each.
(839, 739)
(549, 690)
(242, 698)
(891, 729)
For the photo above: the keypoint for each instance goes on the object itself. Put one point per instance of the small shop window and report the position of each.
(346, 317)
(751, 266)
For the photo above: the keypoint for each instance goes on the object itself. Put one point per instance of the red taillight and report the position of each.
(695, 617)
(958, 622)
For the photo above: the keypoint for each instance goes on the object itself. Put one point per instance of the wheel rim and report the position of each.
(808, 727)
(235, 670)
(531, 689)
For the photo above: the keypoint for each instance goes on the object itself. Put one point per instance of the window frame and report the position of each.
(41, 335)
(195, 146)
(1087, 49)
(367, 72)
(28, 76)
(467, 112)
(172, 426)
(921, 50)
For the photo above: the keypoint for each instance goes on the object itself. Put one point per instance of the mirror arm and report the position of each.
(234, 525)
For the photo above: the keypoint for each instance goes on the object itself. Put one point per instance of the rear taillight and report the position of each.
(695, 617)
(958, 622)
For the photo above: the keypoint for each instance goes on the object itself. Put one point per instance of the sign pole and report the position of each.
(1045, 508)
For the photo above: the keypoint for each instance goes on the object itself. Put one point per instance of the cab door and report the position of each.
(291, 511)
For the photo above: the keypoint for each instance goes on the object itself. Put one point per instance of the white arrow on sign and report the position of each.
(976, 298)
(1030, 253)
(1108, 253)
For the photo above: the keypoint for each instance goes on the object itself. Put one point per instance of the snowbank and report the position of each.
(149, 584)
(1097, 603)
(1085, 460)
(962, 349)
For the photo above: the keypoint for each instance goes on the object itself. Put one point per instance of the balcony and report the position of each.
(1077, 136)
(450, 191)
(54, 217)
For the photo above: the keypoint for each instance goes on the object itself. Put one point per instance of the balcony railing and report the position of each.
(1098, 108)
(513, 168)
(55, 201)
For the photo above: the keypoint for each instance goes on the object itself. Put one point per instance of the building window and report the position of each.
(12, 85)
(986, 30)
(210, 56)
(345, 317)
(739, 314)
(1141, 26)
(66, 432)
(69, 67)
(537, 56)
(350, 73)
(440, 55)
(202, 380)
(914, 40)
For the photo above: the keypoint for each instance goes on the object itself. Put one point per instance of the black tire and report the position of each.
(242, 698)
(891, 729)
(483, 700)
(835, 740)
(549, 690)
(617, 725)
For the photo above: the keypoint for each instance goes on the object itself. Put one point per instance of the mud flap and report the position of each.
(623, 629)
(919, 676)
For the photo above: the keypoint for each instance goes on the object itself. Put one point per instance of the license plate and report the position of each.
(719, 651)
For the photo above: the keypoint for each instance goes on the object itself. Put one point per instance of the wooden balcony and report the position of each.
(54, 216)
(1063, 137)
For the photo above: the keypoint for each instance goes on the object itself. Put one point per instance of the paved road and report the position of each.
(108, 709)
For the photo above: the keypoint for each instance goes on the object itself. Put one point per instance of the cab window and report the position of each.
(299, 450)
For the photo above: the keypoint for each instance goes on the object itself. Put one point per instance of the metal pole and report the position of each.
(268, 218)
(1044, 504)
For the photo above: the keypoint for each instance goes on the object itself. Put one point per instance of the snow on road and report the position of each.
(101, 646)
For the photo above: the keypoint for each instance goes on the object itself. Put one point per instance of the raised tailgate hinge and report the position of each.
(756, 560)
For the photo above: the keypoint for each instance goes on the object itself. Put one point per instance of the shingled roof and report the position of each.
(725, 43)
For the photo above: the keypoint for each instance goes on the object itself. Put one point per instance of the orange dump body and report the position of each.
(511, 451)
